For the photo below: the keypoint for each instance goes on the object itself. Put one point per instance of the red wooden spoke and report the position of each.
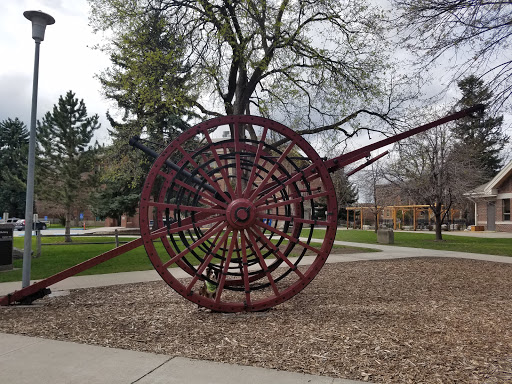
(235, 239)
(284, 180)
(216, 147)
(227, 179)
(263, 264)
(196, 224)
(195, 244)
(271, 190)
(178, 258)
(224, 250)
(257, 157)
(238, 166)
(238, 281)
(210, 181)
(249, 190)
(223, 170)
(291, 218)
(291, 201)
(208, 197)
(206, 161)
(217, 239)
(314, 176)
(161, 232)
(279, 254)
(158, 233)
(199, 272)
(220, 286)
(286, 236)
(186, 224)
(239, 257)
(245, 266)
(206, 261)
(273, 170)
(188, 208)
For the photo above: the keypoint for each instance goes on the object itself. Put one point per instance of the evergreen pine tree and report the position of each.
(148, 80)
(64, 154)
(346, 192)
(14, 139)
(483, 139)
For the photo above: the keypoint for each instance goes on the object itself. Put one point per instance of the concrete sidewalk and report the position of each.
(28, 360)
(35, 360)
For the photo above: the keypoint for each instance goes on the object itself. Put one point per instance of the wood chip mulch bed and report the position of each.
(412, 320)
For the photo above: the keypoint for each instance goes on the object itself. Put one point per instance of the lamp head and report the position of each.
(39, 22)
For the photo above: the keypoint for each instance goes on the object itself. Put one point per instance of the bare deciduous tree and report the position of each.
(473, 35)
(430, 172)
(316, 66)
(376, 189)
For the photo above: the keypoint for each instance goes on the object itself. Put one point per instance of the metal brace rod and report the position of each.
(369, 162)
(38, 290)
(134, 142)
(348, 158)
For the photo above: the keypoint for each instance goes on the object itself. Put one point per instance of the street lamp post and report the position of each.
(39, 22)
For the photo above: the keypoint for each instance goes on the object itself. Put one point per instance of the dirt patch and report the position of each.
(393, 321)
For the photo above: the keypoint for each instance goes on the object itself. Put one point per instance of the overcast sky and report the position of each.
(66, 60)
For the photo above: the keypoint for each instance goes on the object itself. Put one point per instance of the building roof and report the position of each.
(490, 189)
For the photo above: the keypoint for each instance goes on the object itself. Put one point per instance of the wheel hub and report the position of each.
(241, 213)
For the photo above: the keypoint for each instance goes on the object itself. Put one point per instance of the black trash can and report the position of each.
(6, 246)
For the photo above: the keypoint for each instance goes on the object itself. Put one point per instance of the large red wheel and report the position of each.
(242, 207)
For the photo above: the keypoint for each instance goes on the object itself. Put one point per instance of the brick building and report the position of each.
(492, 202)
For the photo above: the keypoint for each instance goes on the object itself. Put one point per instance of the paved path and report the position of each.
(35, 360)
(30, 360)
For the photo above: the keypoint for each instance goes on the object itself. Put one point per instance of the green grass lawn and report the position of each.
(492, 246)
(56, 258)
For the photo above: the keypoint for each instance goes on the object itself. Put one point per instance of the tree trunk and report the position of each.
(67, 233)
(439, 235)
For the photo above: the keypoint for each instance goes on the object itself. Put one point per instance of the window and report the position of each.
(506, 210)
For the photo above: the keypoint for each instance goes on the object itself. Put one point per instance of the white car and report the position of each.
(12, 220)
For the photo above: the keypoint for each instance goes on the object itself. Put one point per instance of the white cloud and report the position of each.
(66, 60)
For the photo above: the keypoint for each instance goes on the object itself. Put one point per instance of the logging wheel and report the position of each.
(243, 209)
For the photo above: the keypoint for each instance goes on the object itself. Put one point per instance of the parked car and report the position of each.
(12, 220)
(20, 225)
